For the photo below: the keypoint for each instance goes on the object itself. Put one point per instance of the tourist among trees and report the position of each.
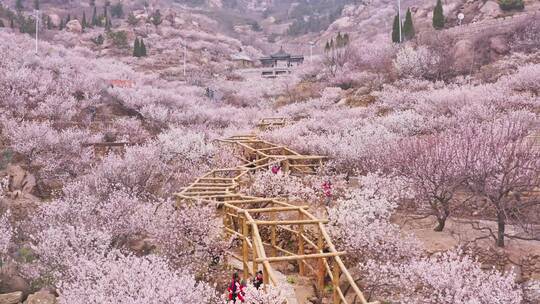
(438, 16)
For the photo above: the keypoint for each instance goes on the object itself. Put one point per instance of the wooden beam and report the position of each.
(300, 240)
(335, 283)
(290, 222)
(301, 257)
(273, 236)
(245, 248)
(276, 209)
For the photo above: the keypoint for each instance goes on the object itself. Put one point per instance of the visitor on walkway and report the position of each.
(258, 281)
(327, 190)
(242, 291)
(275, 169)
(234, 288)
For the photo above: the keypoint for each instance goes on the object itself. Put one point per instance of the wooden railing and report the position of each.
(244, 216)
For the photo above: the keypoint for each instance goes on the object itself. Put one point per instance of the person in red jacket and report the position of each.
(242, 291)
(234, 288)
(327, 190)
(275, 169)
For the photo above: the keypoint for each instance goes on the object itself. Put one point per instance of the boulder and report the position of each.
(490, 9)
(41, 297)
(11, 298)
(499, 45)
(20, 180)
(11, 282)
(55, 20)
(74, 26)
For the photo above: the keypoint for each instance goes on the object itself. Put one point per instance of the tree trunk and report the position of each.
(500, 226)
(441, 218)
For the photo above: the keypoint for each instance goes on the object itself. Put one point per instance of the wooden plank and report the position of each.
(300, 241)
(291, 222)
(301, 257)
(276, 209)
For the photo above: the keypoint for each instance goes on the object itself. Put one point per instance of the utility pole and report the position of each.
(399, 19)
(37, 28)
(311, 45)
(185, 55)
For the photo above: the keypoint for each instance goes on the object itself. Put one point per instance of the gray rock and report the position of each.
(11, 298)
(490, 9)
(74, 26)
(41, 297)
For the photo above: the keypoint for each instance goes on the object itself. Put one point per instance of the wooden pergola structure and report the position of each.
(245, 216)
(271, 122)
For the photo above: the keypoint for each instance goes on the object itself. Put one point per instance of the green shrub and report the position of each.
(507, 5)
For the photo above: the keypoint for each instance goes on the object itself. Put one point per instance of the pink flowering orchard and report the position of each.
(269, 152)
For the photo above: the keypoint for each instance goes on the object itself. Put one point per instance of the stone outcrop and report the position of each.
(74, 26)
(41, 297)
(11, 298)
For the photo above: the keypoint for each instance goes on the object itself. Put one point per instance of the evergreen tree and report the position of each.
(156, 18)
(61, 27)
(2, 23)
(117, 10)
(327, 47)
(143, 49)
(36, 4)
(83, 23)
(49, 22)
(408, 27)
(438, 16)
(395, 30)
(19, 6)
(339, 40)
(136, 48)
(95, 21)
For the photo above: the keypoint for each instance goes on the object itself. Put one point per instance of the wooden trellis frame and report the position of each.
(241, 217)
(271, 122)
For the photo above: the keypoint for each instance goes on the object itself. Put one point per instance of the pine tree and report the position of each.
(438, 16)
(132, 20)
(36, 4)
(94, 18)
(408, 27)
(395, 30)
(327, 47)
(136, 48)
(346, 39)
(83, 23)
(143, 49)
(19, 6)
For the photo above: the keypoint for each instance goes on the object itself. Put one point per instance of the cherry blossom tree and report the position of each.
(6, 235)
(503, 167)
(431, 165)
(119, 278)
(448, 277)
(269, 295)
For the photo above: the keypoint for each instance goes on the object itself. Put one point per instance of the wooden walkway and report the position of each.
(247, 216)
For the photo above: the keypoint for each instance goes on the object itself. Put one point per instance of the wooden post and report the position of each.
(286, 166)
(273, 235)
(301, 268)
(245, 248)
(335, 283)
(225, 221)
(255, 266)
(321, 270)
(265, 278)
